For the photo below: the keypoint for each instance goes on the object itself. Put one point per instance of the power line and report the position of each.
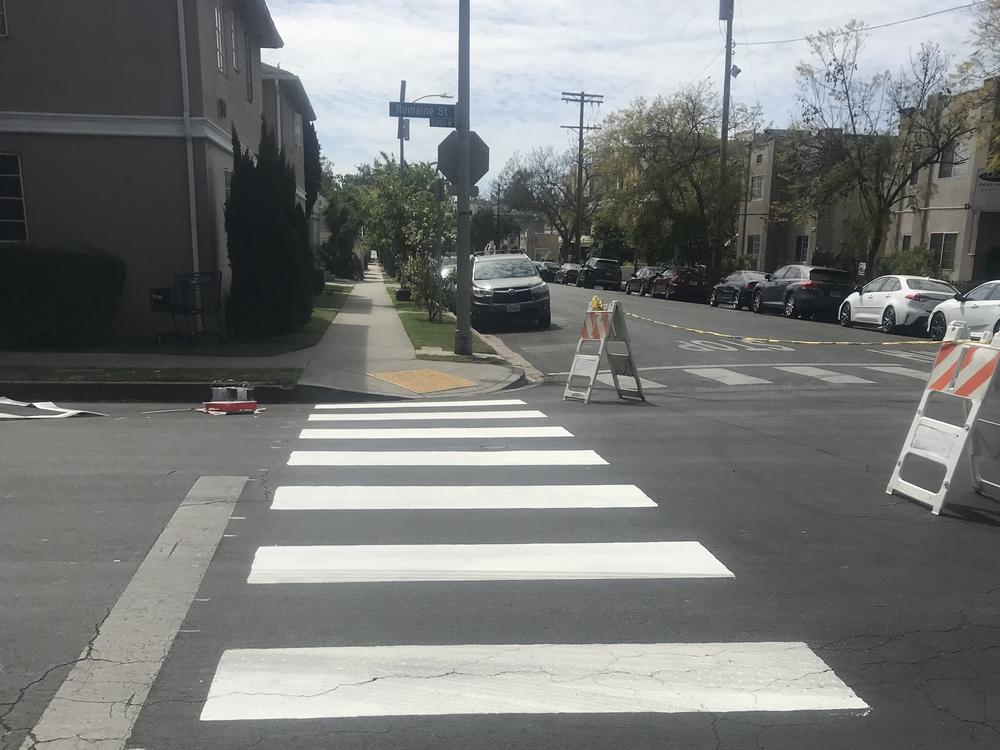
(870, 28)
(659, 60)
(650, 35)
(582, 98)
(709, 65)
(753, 76)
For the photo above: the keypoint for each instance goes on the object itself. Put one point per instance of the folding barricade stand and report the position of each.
(964, 370)
(603, 333)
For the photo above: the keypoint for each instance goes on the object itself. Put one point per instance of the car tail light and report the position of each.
(810, 285)
(751, 284)
(917, 297)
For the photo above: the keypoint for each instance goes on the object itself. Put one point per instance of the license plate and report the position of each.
(692, 283)
(513, 308)
(838, 295)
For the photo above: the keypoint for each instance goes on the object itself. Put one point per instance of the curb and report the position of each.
(529, 374)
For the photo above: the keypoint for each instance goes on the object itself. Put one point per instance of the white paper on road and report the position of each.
(726, 377)
(324, 683)
(469, 497)
(446, 458)
(484, 562)
(426, 416)
(48, 410)
(422, 433)
(421, 404)
(827, 376)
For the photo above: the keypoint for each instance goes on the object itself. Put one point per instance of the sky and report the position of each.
(351, 55)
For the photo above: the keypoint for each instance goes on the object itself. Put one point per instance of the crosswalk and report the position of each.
(324, 681)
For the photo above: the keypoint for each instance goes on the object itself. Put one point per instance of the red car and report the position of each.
(681, 283)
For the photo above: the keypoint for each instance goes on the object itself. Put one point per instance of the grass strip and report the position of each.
(425, 334)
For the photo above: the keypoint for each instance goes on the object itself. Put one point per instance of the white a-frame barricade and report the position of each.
(603, 334)
(964, 374)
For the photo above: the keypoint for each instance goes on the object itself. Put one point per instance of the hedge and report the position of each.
(57, 295)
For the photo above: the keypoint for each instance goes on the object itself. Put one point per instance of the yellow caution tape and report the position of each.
(756, 340)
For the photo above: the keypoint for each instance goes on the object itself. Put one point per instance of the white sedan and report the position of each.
(979, 309)
(891, 302)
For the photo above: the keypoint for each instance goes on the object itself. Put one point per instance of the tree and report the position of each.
(868, 137)
(344, 218)
(313, 169)
(984, 64)
(493, 224)
(268, 243)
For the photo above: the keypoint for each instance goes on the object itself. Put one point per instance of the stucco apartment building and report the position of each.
(115, 128)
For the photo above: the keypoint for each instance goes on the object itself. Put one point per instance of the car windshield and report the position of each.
(508, 268)
(607, 264)
(931, 285)
(654, 271)
(829, 276)
(571, 266)
(754, 275)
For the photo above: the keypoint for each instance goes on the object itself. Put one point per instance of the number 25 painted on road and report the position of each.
(730, 346)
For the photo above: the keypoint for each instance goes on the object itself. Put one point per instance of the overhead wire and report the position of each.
(753, 76)
(696, 7)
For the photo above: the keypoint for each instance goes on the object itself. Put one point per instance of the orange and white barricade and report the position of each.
(963, 373)
(603, 334)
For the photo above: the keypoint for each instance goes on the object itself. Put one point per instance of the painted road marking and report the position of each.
(727, 377)
(647, 384)
(929, 357)
(445, 458)
(900, 370)
(420, 433)
(325, 683)
(421, 404)
(426, 416)
(471, 497)
(827, 376)
(484, 562)
(99, 701)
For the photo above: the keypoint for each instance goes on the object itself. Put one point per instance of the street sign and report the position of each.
(403, 130)
(479, 157)
(425, 111)
(443, 122)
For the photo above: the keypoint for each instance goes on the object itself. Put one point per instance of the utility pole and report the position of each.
(580, 98)
(463, 270)
(402, 131)
(726, 12)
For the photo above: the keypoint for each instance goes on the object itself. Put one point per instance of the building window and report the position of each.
(953, 161)
(220, 40)
(249, 59)
(907, 240)
(753, 245)
(297, 127)
(914, 174)
(229, 183)
(757, 188)
(3, 17)
(943, 246)
(234, 41)
(801, 248)
(13, 220)
(760, 158)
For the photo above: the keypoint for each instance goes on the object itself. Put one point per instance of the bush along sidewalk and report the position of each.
(437, 334)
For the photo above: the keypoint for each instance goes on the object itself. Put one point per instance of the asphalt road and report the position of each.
(894, 611)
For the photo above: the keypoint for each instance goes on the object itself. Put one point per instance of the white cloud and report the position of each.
(351, 55)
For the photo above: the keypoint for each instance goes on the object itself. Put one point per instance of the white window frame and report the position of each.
(953, 162)
(24, 206)
(801, 248)
(298, 127)
(234, 39)
(759, 158)
(249, 65)
(753, 245)
(757, 187)
(220, 39)
(937, 245)
(3, 18)
(907, 242)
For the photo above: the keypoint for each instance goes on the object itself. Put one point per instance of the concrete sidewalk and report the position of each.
(367, 337)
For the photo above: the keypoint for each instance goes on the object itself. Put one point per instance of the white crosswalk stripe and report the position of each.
(900, 370)
(727, 377)
(826, 376)
(332, 682)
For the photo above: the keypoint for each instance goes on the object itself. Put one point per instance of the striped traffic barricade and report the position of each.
(603, 335)
(963, 374)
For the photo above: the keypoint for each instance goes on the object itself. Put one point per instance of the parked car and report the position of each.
(600, 272)
(567, 273)
(736, 289)
(892, 302)
(642, 281)
(803, 291)
(681, 283)
(547, 270)
(979, 309)
(508, 287)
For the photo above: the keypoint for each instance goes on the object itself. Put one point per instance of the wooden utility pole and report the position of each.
(726, 8)
(580, 98)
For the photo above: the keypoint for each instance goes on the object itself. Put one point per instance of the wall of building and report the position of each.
(280, 107)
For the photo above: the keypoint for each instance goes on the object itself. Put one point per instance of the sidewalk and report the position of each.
(367, 338)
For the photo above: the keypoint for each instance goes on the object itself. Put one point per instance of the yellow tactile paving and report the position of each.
(423, 381)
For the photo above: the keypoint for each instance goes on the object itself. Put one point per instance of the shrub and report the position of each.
(57, 295)
(341, 261)
(421, 274)
(918, 260)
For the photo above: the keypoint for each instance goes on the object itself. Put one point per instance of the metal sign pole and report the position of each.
(463, 301)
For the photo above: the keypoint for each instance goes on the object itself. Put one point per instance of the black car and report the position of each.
(642, 280)
(600, 272)
(567, 273)
(736, 289)
(803, 291)
(547, 270)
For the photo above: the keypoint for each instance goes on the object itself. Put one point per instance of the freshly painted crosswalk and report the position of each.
(906, 372)
(323, 681)
(826, 376)
(484, 562)
(337, 683)
(461, 497)
(726, 377)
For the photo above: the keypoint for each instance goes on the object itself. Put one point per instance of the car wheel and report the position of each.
(845, 315)
(938, 327)
(712, 300)
(736, 301)
(628, 289)
(757, 305)
(790, 310)
(888, 320)
(996, 328)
